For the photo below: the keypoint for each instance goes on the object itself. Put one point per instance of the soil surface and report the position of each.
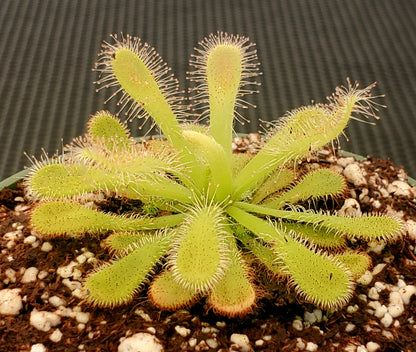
(40, 285)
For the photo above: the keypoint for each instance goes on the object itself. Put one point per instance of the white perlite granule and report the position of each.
(365, 279)
(57, 301)
(310, 346)
(43, 320)
(46, 247)
(410, 228)
(141, 342)
(10, 301)
(30, 239)
(315, 316)
(350, 208)
(242, 341)
(11, 276)
(407, 292)
(30, 275)
(38, 348)
(212, 343)
(67, 271)
(350, 327)
(354, 174)
(181, 330)
(297, 324)
(56, 336)
(372, 346)
(396, 306)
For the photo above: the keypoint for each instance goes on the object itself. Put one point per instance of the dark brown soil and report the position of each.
(269, 328)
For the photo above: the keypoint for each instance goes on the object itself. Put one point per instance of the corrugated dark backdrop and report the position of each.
(48, 47)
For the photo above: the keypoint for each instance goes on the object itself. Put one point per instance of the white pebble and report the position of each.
(259, 342)
(67, 270)
(13, 235)
(57, 301)
(38, 348)
(82, 317)
(76, 275)
(407, 292)
(345, 161)
(30, 275)
(396, 310)
(350, 327)
(376, 247)
(21, 208)
(143, 315)
(88, 254)
(209, 329)
(81, 258)
(380, 286)
(380, 311)
(30, 239)
(300, 344)
(378, 269)
(387, 320)
(388, 334)
(365, 279)
(242, 341)
(367, 328)
(315, 316)
(212, 343)
(410, 227)
(362, 297)
(10, 301)
(361, 349)
(354, 174)
(10, 244)
(372, 346)
(72, 285)
(401, 283)
(396, 307)
(310, 346)
(297, 324)
(350, 348)
(399, 188)
(192, 342)
(43, 320)
(363, 197)
(46, 247)
(350, 208)
(56, 336)
(11, 275)
(42, 274)
(80, 293)
(352, 309)
(64, 312)
(377, 204)
(373, 294)
(141, 342)
(181, 330)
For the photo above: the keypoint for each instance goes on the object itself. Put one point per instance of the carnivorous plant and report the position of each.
(205, 212)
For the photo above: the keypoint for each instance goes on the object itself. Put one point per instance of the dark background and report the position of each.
(306, 48)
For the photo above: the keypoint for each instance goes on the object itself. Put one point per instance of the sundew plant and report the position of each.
(205, 213)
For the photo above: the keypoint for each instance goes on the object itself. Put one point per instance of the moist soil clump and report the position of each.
(41, 281)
